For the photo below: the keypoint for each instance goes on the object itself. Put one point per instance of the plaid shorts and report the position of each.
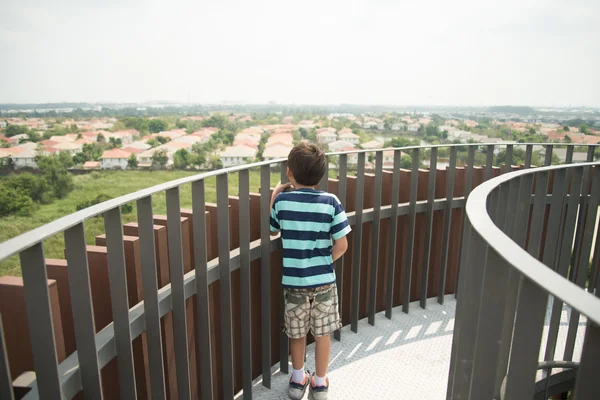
(314, 309)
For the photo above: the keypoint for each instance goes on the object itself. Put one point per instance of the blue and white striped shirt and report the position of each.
(308, 219)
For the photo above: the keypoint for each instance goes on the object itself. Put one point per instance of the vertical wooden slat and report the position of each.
(428, 227)
(357, 245)
(339, 265)
(393, 235)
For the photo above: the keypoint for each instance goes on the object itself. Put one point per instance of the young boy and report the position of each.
(308, 219)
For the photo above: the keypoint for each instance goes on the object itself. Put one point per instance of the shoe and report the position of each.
(318, 392)
(296, 390)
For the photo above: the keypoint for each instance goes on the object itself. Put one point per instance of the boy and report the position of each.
(308, 219)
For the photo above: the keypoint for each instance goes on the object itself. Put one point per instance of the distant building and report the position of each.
(92, 165)
(347, 135)
(68, 138)
(398, 126)
(71, 148)
(25, 159)
(276, 151)
(338, 145)
(371, 145)
(326, 136)
(413, 127)
(114, 159)
(237, 155)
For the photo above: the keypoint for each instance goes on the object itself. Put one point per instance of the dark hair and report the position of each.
(308, 164)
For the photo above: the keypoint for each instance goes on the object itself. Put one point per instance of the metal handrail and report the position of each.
(105, 339)
(519, 258)
(23, 241)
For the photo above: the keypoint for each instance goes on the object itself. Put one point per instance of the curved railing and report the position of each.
(243, 277)
(529, 237)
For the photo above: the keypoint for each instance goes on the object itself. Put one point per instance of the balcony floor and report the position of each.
(406, 357)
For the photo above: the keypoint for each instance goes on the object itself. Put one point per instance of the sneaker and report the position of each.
(296, 390)
(318, 392)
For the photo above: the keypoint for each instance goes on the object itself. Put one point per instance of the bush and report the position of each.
(57, 176)
(14, 202)
(33, 186)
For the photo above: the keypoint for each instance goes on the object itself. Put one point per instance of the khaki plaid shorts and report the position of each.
(314, 309)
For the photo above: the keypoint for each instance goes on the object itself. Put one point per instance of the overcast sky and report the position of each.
(400, 52)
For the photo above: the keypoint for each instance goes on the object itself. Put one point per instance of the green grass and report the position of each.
(115, 184)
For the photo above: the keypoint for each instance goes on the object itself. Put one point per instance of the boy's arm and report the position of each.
(339, 229)
(339, 248)
(274, 223)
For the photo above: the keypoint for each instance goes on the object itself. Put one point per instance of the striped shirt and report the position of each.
(308, 219)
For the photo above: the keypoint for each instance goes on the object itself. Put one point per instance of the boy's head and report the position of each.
(306, 164)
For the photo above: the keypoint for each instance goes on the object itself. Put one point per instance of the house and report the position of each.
(471, 123)
(338, 145)
(114, 159)
(90, 135)
(173, 134)
(21, 138)
(2, 124)
(284, 138)
(370, 125)
(372, 145)
(399, 126)
(306, 124)
(288, 120)
(237, 155)
(68, 138)
(83, 141)
(126, 136)
(91, 165)
(326, 136)
(352, 159)
(25, 159)
(277, 151)
(71, 148)
(137, 145)
(347, 136)
(413, 127)
(188, 139)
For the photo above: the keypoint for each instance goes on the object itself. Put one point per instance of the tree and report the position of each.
(152, 142)
(431, 130)
(566, 128)
(406, 162)
(568, 139)
(132, 161)
(13, 130)
(79, 158)
(532, 131)
(162, 139)
(198, 159)
(100, 138)
(303, 133)
(401, 142)
(92, 152)
(57, 176)
(14, 202)
(139, 124)
(160, 159)
(583, 128)
(115, 142)
(65, 159)
(181, 159)
(214, 162)
(157, 125)
(31, 185)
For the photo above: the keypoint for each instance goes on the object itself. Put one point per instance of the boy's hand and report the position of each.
(281, 187)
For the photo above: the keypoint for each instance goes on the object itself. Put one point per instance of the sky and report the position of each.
(392, 52)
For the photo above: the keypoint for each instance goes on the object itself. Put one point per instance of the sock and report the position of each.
(298, 375)
(320, 381)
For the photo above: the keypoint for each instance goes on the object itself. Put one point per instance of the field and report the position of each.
(112, 183)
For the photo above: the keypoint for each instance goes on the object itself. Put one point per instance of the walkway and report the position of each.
(403, 358)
